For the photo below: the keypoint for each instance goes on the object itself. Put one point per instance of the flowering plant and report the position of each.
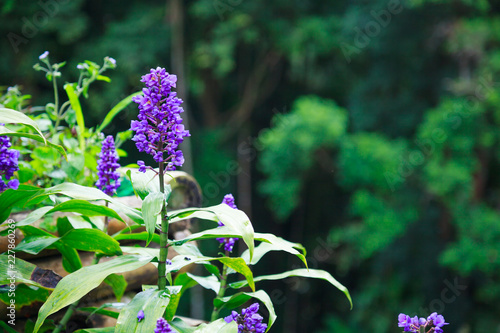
(158, 132)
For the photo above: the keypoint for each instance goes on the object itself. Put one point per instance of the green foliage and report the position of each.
(289, 148)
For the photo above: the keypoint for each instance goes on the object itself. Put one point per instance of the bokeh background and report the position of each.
(366, 130)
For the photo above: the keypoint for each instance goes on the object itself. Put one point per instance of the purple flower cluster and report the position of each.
(162, 326)
(159, 130)
(8, 164)
(249, 320)
(433, 323)
(109, 178)
(228, 242)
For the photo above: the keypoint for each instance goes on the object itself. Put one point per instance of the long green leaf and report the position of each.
(151, 209)
(75, 105)
(219, 326)
(85, 208)
(302, 272)
(9, 116)
(152, 301)
(270, 243)
(92, 240)
(80, 192)
(145, 183)
(96, 330)
(8, 132)
(234, 220)
(34, 216)
(76, 285)
(23, 272)
(116, 109)
(11, 198)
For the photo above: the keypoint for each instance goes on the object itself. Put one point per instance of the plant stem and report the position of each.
(222, 290)
(56, 103)
(162, 279)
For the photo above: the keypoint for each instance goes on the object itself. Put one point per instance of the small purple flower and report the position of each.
(140, 316)
(111, 60)
(249, 320)
(9, 159)
(159, 130)
(228, 242)
(44, 55)
(109, 178)
(80, 66)
(162, 326)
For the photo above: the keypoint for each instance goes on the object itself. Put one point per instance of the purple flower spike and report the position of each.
(249, 320)
(159, 130)
(109, 178)
(9, 159)
(140, 316)
(228, 242)
(162, 326)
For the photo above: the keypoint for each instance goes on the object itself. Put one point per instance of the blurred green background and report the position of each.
(366, 130)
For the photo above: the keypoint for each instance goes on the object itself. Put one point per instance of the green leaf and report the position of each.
(11, 198)
(239, 299)
(85, 208)
(100, 310)
(8, 132)
(175, 293)
(219, 326)
(208, 282)
(80, 192)
(152, 301)
(35, 244)
(74, 286)
(118, 283)
(269, 243)
(151, 209)
(26, 295)
(183, 280)
(23, 273)
(96, 330)
(92, 240)
(145, 183)
(34, 216)
(180, 326)
(117, 109)
(233, 219)
(8, 328)
(75, 105)
(302, 272)
(103, 78)
(9, 116)
(144, 236)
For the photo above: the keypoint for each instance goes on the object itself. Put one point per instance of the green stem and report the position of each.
(162, 279)
(56, 102)
(72, 307)
(222, 290)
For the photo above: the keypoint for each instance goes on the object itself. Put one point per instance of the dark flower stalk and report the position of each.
(8, 164)
(158, 132)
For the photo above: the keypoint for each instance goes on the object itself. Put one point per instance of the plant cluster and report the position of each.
(158, 131)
